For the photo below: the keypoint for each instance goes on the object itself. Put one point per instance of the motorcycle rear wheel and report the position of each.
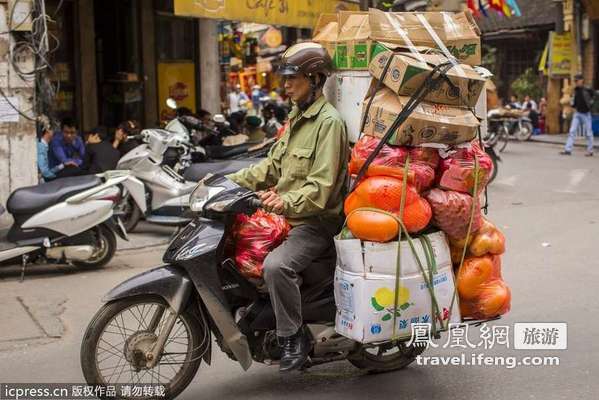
(383, 362)
(524, 131)
(124, 319)
(105, 247)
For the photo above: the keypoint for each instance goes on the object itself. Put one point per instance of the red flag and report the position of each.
(473, 6)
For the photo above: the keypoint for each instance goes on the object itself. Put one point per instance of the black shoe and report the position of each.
(565, 153)
(589, 154)
(295, 351)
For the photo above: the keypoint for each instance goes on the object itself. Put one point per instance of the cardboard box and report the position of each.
(407, 73)
(373, 258)
(365, 305)
(458, 32)
(325, 32)
(428, 123)
(353, 47)
(345, 90)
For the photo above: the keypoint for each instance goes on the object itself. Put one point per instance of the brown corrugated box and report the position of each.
(407, 72)
(428, 123)
(457, 31)
(325, 32)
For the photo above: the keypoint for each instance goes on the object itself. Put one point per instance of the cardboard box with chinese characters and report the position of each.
(408, 71)
(428, 123)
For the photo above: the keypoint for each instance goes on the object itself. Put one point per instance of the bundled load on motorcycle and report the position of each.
(415, 247)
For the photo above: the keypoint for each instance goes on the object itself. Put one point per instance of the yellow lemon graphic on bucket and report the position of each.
(385, 297)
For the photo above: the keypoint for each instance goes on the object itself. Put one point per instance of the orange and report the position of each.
(472, 275)
(495, 298)
(373, 226)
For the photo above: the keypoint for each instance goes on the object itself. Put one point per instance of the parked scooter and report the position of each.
(163, 196)
(68, 220)
(200, 293)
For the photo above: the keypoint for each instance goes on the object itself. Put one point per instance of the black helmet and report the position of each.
(306, 58)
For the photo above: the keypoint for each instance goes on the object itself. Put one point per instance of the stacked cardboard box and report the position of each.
(402, 52)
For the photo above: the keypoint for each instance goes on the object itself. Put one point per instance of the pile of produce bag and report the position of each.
(254, 237)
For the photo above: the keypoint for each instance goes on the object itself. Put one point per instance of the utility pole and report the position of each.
(364, 5)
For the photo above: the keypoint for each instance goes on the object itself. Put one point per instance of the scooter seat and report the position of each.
(32, 199)
(198, 171)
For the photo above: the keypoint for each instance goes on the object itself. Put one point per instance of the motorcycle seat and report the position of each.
(198, 171)
(220, 152)
(33, 199)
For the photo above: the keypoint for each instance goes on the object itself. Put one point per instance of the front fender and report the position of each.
(137, 190)
(168, 282)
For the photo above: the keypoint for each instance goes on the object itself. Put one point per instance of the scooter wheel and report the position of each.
(117, 338)
(385, 358)
(105, 247)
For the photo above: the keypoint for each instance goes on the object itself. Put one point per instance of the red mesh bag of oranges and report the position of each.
(384, 193)
(390, 161)
(457, 171)
(254, 237)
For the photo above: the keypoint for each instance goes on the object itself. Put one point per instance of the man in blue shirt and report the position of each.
(67, 147)
(43, 164)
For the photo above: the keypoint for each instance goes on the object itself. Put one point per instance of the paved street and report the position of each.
(548, 208)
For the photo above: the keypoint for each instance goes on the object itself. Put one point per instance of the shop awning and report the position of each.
(297, 13)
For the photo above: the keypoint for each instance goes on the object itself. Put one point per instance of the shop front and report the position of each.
(252, 35)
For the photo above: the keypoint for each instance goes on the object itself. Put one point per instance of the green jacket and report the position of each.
(307, 166)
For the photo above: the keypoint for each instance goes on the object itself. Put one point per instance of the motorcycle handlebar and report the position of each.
(255, 203)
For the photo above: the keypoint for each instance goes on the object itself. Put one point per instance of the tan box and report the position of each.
(428, 123)
(457, 31)
(326, 31)
(407, 73)
(353, 47)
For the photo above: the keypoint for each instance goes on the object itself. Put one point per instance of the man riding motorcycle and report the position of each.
(303, 178)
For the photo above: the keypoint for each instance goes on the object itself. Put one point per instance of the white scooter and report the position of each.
(67, 220)
(163, 197)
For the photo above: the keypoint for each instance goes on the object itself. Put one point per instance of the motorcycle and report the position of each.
(163, 196)
(503, 127)
(158, 326)
(68, 220)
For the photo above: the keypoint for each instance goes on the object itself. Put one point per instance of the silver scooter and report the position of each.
(164, 197)
(68, 220)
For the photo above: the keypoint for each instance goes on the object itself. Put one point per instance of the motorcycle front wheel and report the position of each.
(130, 213)
(385, 357)
(123, 331)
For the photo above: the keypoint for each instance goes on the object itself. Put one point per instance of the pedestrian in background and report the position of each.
(43, 164)
(123, 140)
(100, 154)
(582, 102)
(67, 148)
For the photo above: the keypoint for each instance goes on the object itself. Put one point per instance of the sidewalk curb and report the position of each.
(556, 141)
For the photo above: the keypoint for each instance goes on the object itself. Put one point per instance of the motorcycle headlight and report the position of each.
(201, 194)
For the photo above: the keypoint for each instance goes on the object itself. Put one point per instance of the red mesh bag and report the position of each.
(456, 172)
(494, 299)
(390, 161)
(385, 192)
(255, 236)
(451, 212)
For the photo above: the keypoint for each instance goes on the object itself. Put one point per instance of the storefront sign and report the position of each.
(177, 81)
(561, 54)
(298, 13)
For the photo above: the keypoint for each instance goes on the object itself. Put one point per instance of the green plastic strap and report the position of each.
(402, 204)
(468, 233)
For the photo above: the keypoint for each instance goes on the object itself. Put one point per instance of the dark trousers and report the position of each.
(308, 256)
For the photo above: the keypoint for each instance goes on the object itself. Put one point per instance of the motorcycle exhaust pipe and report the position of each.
(71, 253)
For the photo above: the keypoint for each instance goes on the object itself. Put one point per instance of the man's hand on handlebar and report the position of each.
(271, 201)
